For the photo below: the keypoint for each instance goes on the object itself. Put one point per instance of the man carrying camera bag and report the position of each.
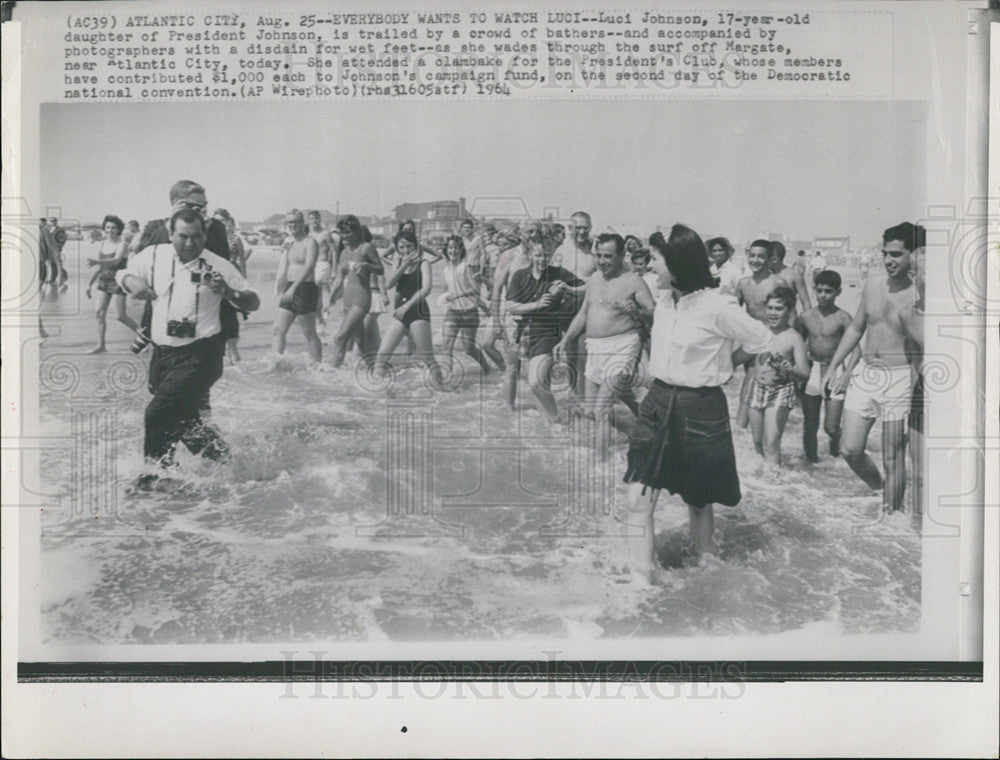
(187, 286)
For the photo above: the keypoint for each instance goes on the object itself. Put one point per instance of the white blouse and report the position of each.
(693, 339)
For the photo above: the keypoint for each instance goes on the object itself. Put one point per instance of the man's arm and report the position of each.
(851, 337)
(574, 329)
(136, 277)
(801, 369)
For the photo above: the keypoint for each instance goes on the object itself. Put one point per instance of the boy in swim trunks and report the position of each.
(882, 382)
(296, 287)
(752, 292)
(615, 306)
(822, 327)
(771, 390)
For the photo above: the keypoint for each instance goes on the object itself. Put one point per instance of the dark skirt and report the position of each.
(682, 442)
(229, 319)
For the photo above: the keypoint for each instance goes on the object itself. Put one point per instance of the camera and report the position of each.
(141, 341)
(204, 276)
(182, 329)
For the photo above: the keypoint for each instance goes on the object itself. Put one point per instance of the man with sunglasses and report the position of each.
(186, 194)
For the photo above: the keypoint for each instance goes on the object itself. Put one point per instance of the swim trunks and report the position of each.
(305, 299)
(323, 271)
(878, 391)
(609, 358)
(462, 318)
(764, 396)
(814, 385)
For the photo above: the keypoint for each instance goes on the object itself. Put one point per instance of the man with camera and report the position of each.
(187, 286)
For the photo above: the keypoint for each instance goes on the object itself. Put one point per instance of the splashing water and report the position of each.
(352, 514)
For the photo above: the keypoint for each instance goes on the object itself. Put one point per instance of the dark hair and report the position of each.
(778, 250)
(117, 222)
(784, 294)
(406, 235)
(224, 215)
(558, 226)
(467, 221)
(761, 243)
(642, 253)
(366, 234)
(348, 224)
(188, 215)
(133, 223)
(612, 237)
(460, 242)
(405, 222)
(686, 258)
(183, 188)
(828, 277)
(710, 244)
(913, 236)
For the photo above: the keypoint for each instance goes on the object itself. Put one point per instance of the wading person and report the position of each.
(112, 256)
(296, 288)
(187, 286)
(682, 440)
(881, 383)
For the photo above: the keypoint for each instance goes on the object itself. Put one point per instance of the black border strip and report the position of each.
(299, 666)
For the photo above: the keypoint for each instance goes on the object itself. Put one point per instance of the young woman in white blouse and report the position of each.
(682, 440)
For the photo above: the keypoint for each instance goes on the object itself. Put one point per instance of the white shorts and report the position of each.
(609, 358)
(323, 271)
(814, 385)
(878, 391)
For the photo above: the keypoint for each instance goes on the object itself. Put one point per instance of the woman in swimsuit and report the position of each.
(464, 301)
(111, 256)
(412, 280)
(358, 261)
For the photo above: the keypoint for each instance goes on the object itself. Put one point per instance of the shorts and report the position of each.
(814, 385)
(764, 396)
(109, 286)
(229, 320)
(878, 391)
(609, 358)
(305, 300)
(682, 442)
(323, 271)
(462, 318)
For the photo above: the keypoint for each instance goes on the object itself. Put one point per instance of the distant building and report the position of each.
(434, 219)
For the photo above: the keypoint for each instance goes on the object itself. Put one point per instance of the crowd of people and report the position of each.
(648, 333)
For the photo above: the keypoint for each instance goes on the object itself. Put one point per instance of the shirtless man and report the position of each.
(790, 274)
(912, 319)
(615, 304)
(328, 248)
(357, 263)
(577, 255)
(882, 382)
(295, 284)
(752, 292)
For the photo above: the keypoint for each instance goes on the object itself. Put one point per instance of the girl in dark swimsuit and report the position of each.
(112, 256)
(412, 280)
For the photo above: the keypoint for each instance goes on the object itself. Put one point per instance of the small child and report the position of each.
(771, 390)
(822, 327)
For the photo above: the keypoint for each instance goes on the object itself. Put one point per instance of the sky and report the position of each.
(741, 168)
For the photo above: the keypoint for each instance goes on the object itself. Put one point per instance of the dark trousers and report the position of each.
(180, 379)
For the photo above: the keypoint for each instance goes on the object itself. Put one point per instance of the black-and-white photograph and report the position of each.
(441, 378)
(383, 377)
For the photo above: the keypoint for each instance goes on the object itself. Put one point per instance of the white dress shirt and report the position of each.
(178, 297)
(462, 283)
(693, 339)
(729, 275)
